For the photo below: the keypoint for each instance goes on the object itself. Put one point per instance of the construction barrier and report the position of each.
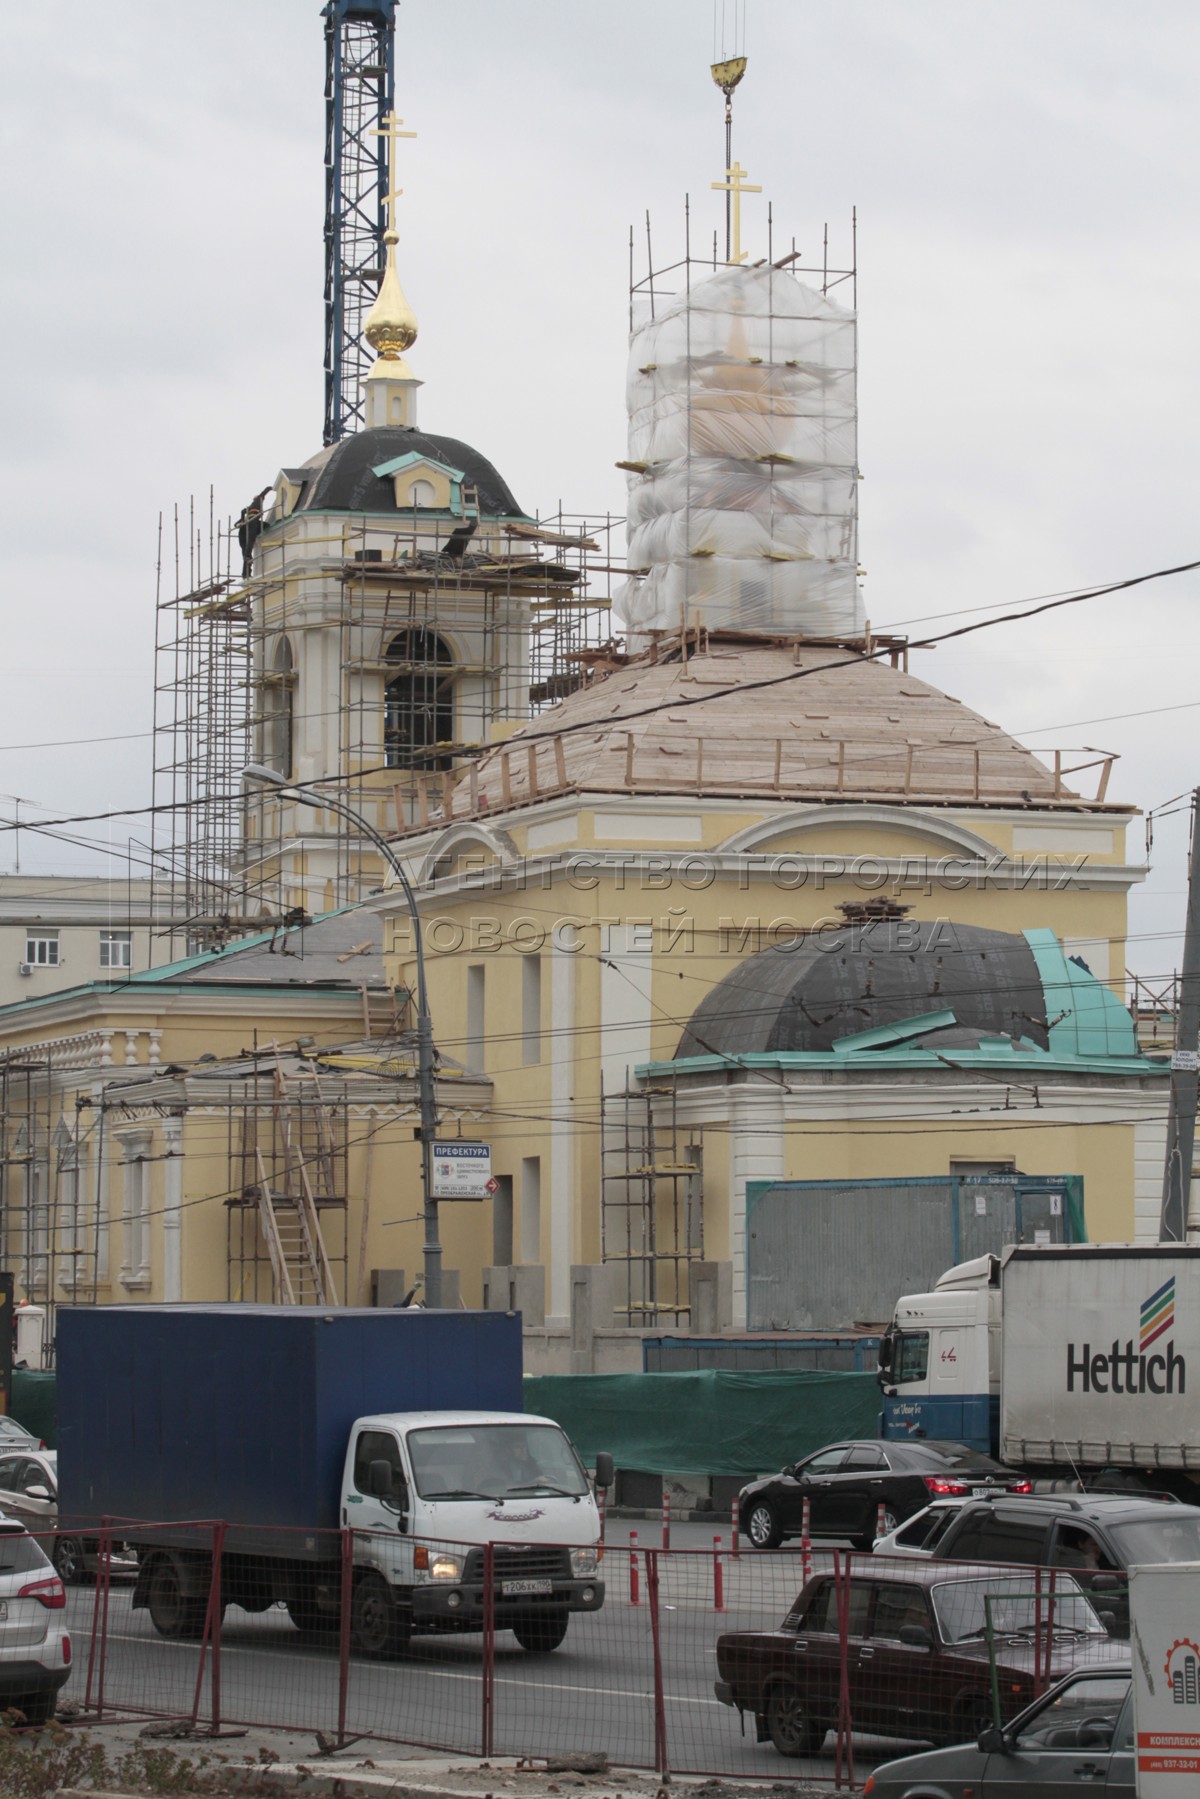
(186, 1630)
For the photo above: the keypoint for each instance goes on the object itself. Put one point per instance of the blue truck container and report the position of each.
(243, 1412)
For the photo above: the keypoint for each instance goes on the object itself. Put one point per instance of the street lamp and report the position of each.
(270, 777)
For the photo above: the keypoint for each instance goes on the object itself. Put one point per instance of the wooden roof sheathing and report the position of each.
(846, 728)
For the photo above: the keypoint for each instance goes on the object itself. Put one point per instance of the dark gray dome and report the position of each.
(807, 993)
(342, 478)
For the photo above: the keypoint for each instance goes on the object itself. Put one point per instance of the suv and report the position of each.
(1098, 1537)
(35, 1650)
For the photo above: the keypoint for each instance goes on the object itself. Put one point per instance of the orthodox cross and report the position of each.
(391, 130)
(736, 184)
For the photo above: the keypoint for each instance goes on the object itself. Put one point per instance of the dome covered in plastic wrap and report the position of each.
(743, 500)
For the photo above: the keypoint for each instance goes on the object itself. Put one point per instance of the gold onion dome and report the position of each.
(391, 324)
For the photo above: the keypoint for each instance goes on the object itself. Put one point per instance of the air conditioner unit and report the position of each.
(24, 967)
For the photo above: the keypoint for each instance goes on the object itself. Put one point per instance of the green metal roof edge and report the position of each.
(1086, 1019)
(1027, 1057)
(522, 518)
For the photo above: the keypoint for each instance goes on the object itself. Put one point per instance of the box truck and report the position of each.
(1063, 1360)
(295, 1425)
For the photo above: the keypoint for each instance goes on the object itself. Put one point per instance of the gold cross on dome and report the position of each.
(391, 130)
(736, 184)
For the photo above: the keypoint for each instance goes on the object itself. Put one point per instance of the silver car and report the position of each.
(29, 1492)
(35, 1650)
(1080, 1733)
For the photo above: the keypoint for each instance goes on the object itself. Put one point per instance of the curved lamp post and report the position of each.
(432, 1250)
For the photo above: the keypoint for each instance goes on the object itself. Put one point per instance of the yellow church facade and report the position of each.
(570, 935)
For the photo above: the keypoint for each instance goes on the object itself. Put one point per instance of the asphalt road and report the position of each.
(594, 1693)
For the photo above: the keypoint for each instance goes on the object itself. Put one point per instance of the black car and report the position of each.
(847, 1483)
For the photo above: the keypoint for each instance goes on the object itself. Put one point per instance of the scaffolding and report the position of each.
(651, 1203)
(201, 734)
(398, 711)
(288, 1164)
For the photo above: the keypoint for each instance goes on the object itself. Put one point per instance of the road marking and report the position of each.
(475, 1676)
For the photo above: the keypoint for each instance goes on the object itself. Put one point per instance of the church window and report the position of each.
(135, 1218)
(422, 493)
(280, 709)
(418, 717)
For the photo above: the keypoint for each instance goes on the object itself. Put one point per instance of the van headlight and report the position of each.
(445, 1567)
(584, 1561)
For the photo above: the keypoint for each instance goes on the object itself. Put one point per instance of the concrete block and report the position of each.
(710, 1297)
(520, 1287)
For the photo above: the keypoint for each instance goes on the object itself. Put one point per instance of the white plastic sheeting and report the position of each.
(742, 409)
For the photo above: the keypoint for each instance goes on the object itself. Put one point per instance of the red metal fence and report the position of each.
(880, 1656)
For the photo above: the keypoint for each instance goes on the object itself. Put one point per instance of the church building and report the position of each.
(766, 970)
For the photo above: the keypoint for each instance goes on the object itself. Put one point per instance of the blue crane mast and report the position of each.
(359, 91)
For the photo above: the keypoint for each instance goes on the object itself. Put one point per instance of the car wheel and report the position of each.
(540, 1632)
(68, 1560)
(792, 1728)
(377, 1628)
(762, 1525)
(173, 1613)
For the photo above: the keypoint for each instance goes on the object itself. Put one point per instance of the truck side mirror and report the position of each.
(605, 1472)
(379, 1479)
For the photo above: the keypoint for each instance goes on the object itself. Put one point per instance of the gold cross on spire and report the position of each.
(391, 130)
(736, 184)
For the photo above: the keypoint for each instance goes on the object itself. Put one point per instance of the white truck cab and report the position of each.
(939, 1361)
(424, 1492)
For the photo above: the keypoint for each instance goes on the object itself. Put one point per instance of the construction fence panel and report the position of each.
(835, 1661)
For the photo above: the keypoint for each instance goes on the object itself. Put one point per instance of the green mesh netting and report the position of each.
(707, 1421)
(34, 1405)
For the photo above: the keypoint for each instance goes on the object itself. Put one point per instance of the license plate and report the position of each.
(517, 1589)
(982, 1492)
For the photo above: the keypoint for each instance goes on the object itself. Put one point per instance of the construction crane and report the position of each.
(359, 90)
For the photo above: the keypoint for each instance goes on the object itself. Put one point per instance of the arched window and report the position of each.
(280, 709)
(422, 493)
(418, 701)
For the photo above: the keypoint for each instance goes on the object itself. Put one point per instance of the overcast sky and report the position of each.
(1026, 177)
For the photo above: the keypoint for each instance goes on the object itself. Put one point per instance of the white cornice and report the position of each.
(950, 874)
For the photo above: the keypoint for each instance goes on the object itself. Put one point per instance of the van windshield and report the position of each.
(1173, 1537)
(495, 1461)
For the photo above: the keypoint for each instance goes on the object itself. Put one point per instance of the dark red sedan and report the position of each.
(917, 1653)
